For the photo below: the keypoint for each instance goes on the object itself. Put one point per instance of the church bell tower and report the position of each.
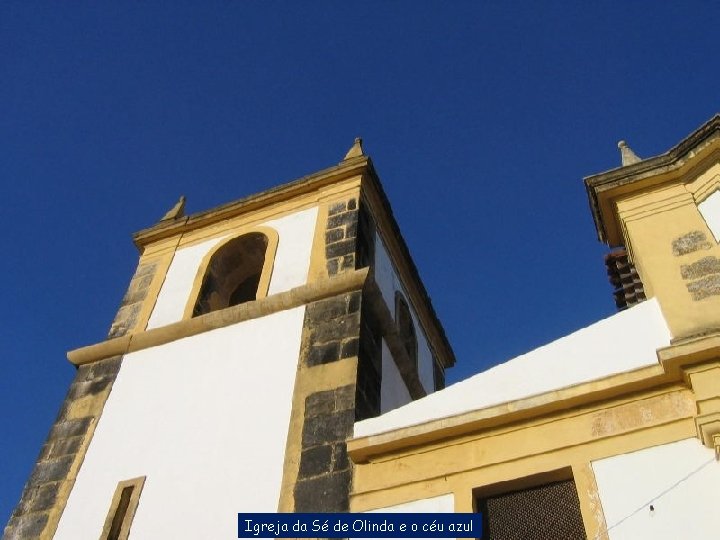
(250, 340)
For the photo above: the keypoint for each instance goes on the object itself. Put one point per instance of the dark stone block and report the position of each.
(330, 308)
(65, 447)
(351, 230)
(352, 204)
(323, 354)
(348, 262)
(44, 497)
(334, 235)
(28, 526)
(340, 457)
(703, 267)
(336, 329)
(315, 461)
(105, 368)
(345, 398)
(350, 348)
(338, 249)
(354, 302)
(342, 219)
(327, 493)
(320, 403)
(336, 208)
(51, 471)
(327, 428)
(70, 428)
(332, 267)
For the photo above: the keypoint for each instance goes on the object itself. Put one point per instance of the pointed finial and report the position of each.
(627, 156)
(176, 211)
(356, 150)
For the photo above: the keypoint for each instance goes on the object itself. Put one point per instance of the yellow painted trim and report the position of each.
(137, 484)
(424, 474)
(312, 185)
(362, 448)
(311, 292)
(268, 264)
(308, 380)
(590, 505)
(318, 261)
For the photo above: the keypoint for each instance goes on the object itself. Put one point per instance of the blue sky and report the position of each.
(481, 119)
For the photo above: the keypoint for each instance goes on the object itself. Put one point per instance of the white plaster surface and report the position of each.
(173, 297)
(710, 210)
(682, 482)
(290, 268)
(388, 283)
(393, 392)
(292, 261)
(205, 418)
(624, 342)
(434, 505)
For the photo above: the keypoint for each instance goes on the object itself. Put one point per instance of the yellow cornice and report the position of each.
(669, 370)
(307, 184)
(348, 281)
(678, 164)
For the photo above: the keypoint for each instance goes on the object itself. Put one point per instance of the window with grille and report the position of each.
(549, 511)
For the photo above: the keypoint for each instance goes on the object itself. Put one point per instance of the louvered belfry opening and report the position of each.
(547, 512)
(628, 289)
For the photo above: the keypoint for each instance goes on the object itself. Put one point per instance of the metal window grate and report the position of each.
(547, 512)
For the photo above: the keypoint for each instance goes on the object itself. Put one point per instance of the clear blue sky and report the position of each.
(481, 118)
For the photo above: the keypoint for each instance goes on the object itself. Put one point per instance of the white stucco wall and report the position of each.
(681, 480)
(205, 418)
(290, 269)
(433, 505)
(710, 210)
(626, 341)
(393, 392)
(388, 283)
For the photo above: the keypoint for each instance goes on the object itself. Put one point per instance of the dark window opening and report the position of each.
(233, 275)
(120, 513)
(406, 328)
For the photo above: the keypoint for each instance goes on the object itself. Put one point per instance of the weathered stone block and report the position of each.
(705, 287)
(50, 471)
(338, 249)
(44, 497)
(320, 403)
(340, 220)
(323, 353)
(65, 447)
(348, 262)
(27, 526)
(340, 457)
(327, 493)
(336, 208)
(703, 267)
(70, 428)
(327, 428)
(315, 461)
(687, 243)
(350, 348)
(334, 235)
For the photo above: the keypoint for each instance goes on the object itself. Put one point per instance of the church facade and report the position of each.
(280, 353)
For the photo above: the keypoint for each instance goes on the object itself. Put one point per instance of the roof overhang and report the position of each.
(675, 165)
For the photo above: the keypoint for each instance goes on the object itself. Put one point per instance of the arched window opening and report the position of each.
(406, 327)
(233, 274)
